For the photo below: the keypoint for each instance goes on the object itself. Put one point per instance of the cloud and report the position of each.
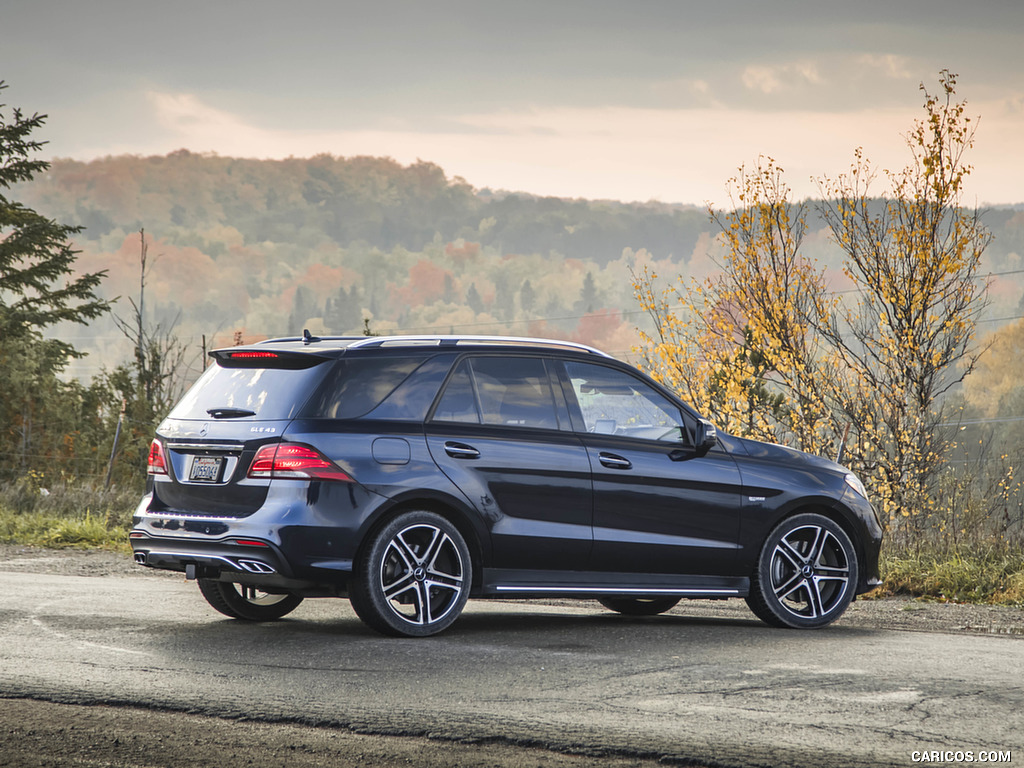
(890, 64)
(625, 153)
(195, 124)
(770, 79)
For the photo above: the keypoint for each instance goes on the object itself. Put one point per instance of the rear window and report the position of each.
(355, 387)
(270, 393)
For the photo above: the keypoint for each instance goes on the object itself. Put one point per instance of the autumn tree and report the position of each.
(771, 350)
(740, 344)
(908, 337)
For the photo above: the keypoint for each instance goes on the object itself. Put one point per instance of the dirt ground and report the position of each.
(39, 734)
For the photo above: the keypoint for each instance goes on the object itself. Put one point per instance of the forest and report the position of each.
(266, 247)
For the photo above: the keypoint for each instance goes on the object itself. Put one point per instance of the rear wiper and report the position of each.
(229, 413)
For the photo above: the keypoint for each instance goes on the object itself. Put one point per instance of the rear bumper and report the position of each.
(262, 566)
(304, 535)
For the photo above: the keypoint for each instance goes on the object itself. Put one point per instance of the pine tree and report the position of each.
(37, 283)
(38, 288)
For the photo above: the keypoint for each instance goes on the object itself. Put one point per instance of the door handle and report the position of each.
(461, 451)
(612, 461)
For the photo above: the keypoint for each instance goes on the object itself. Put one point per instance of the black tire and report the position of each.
(240, 601)
(638, 606)
(806, 574)
(413, 578)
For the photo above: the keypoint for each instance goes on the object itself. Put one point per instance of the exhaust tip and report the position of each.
(140, 558)
(256, 566)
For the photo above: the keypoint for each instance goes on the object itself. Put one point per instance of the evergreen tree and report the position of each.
(37, 289)
(304, 306)
(473, 299)
(36, 257)
(589, 300)
(342, 313)
(526, 297)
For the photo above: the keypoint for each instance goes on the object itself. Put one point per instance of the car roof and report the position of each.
(333, 346)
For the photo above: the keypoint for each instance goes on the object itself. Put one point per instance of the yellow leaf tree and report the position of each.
(769, 350)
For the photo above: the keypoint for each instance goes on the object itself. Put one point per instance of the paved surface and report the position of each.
(717, 688)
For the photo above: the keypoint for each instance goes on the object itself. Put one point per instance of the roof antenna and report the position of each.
(307, 337)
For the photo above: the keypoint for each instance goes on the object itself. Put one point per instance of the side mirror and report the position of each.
(706, 437)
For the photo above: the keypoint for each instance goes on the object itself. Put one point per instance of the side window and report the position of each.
(357, 386)
(515, 391)
(510, 391)
(614, 403)
(458, 403)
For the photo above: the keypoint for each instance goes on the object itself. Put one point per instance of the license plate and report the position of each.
(205, 469)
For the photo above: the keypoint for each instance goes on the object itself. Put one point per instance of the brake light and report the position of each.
(251, 355)
(296, 461)
(156, 464)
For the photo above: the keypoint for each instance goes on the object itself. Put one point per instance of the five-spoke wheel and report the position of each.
(249, 603)
(806, 575)
(414, 577)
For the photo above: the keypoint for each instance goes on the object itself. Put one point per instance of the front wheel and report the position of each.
(806, 574)
(638, 606)
(240, 601)
(413, 580)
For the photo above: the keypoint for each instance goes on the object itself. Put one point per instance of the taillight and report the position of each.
(296, 461)
(156, 464)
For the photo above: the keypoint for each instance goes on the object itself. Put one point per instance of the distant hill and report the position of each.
(267, 247)
(368, 199)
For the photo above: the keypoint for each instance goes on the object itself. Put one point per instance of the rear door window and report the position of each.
(508, 391)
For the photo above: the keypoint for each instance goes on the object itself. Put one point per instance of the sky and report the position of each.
(636, 100)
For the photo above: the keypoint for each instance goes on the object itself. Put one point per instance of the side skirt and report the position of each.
(499, 582)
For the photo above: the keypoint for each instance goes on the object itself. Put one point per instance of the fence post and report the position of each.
(842, 444)
(117, 438)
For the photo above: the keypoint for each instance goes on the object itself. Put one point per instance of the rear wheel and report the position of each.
(240, 601)
(413, 579)
(806, 574)
(638, 606)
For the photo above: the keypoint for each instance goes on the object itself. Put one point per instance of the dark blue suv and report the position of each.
(412, 473)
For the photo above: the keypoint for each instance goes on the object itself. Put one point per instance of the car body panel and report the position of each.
(660, 515)
(532, 488)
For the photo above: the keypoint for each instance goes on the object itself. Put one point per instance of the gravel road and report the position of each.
(46, 733)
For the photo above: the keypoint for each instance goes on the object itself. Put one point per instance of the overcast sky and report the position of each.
(639, 100)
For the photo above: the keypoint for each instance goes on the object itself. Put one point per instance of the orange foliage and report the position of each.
(595, 328)
(425, 286)
(324, 281)
(467, 251)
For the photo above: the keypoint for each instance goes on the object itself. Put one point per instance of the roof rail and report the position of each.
(314, 339)
(453, 341)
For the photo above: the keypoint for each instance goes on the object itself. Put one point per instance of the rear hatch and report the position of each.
(244, 400)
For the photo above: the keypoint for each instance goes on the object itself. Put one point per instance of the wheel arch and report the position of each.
(453, 512)
(830, 510)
